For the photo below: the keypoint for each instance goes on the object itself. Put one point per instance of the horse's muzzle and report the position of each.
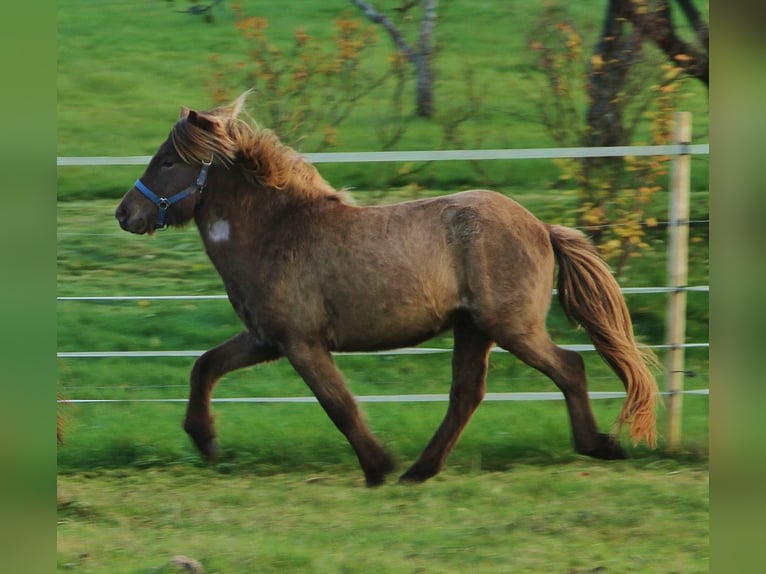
(133, 224)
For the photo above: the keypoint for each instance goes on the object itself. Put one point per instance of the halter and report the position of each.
(163, 203)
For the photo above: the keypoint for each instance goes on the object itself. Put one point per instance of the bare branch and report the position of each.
(695, 19)
(657, 24)
(383, 20)
(419, 57)
(429, 20)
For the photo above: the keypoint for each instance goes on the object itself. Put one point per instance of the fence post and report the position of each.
(678, 250)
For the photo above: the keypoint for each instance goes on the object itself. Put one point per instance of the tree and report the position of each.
(196, 8)
(618, 49)
(627, 24)
(608, 97)
(309, 88)
(655, 21)
(618, 60)
(306, 89)
(420, 55)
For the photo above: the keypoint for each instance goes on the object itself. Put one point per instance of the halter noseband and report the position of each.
(163, 203)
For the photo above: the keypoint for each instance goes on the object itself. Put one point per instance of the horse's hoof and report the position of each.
(607, 448)
(208, 448)
(210, 451)
(408, 480)
(373, 480)
(377, 476)
(416, 476)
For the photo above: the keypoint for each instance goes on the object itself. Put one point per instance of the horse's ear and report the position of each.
(184, 113)
(199, 120)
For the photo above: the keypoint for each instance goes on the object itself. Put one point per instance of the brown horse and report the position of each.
(310, 273)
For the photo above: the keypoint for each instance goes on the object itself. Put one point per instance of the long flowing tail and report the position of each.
(590, 295)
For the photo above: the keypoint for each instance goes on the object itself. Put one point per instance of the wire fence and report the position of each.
(398, 398)
(390, 352)
(624, 290)
(409, 398)
(437, 155)
(393, 156)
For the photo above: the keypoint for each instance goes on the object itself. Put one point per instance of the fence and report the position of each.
(442, 155)
(676, 290)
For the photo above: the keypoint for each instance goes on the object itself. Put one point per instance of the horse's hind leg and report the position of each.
(317, 368)
(567, 370)
(469, 370)
(240, 351)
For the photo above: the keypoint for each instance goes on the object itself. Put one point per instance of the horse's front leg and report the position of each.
(317, 368)
(239, 351)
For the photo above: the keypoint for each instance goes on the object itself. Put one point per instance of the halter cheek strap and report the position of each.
(163, 203)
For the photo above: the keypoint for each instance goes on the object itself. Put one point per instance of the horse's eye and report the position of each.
(167, 163)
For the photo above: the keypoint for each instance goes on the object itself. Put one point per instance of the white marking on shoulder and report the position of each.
(219, 230)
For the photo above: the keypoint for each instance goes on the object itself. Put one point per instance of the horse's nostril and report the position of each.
(121, 213)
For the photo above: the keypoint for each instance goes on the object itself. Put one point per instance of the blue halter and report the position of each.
(163, 203)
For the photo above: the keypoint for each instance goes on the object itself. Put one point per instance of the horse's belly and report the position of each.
(378, 326)
(378, 340)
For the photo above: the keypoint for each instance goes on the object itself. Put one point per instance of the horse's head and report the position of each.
(169, 189)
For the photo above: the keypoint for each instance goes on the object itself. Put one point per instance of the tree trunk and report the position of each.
(419, 57)
(613, 57)
(617, 50)
(424, 92)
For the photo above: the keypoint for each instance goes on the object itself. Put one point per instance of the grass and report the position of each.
(287, 495)
(126, 68)
(531, 519)
(280, 438)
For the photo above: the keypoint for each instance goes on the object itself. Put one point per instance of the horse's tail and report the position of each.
(590, 295)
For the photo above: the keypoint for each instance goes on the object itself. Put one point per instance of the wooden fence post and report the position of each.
(678, 250)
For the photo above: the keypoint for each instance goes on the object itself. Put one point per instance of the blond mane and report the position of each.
(229, 136)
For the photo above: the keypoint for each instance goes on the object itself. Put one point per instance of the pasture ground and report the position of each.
(288, 496)
(576, 517)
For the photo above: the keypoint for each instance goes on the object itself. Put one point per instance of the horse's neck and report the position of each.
(239, 212)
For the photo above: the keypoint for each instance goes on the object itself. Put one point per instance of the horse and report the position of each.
(309, 273)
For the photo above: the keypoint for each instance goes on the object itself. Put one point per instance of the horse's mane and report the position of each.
(229, 136)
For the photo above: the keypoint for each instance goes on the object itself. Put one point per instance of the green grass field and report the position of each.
(573, 517)
(287, 494)
(126, 69)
